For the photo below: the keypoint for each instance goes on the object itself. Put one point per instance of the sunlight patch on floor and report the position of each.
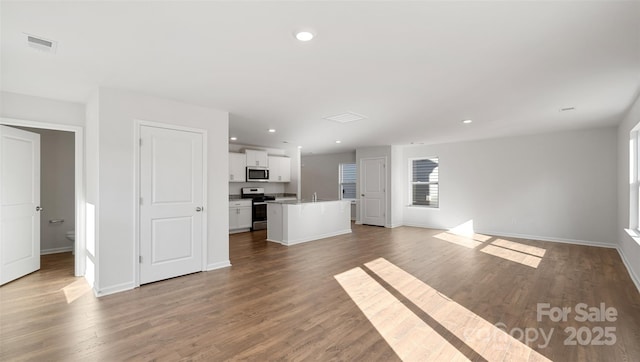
(463, 235)
(76, 289)
(467, 229)
(467, 242)
(512, 255)
(523, 248)
(408, 335)
(489, 341)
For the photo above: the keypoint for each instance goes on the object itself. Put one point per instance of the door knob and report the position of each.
(198, 209)
(38, 208)
(362, 195)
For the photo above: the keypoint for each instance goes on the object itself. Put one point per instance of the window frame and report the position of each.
(412, 183)
(341, 183)
(634, 180)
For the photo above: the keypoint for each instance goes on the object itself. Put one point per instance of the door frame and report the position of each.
(80, 201)
(386, 186)
(138, 124)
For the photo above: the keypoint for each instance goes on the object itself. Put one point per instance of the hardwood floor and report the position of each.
(376, 294)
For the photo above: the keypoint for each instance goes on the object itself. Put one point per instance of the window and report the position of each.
(424, 189)
(634, 184)
(347, 181)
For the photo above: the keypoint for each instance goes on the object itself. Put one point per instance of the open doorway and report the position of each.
(62, 216)
(57, 191)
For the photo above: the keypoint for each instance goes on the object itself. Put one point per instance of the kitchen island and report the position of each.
(299, 221)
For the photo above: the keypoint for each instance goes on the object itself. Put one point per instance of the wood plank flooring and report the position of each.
(376, 294)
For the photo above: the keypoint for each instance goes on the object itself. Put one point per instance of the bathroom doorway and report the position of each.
(57, 190)
(62, 191)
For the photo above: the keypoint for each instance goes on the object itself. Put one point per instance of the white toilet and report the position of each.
(71, 236)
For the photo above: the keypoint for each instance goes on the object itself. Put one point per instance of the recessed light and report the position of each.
(299, 147)
(304, 35)
(271, 130)
(467, 121)
(338, 141)
(234, 138)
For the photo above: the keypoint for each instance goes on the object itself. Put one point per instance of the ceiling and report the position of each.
(414, 69)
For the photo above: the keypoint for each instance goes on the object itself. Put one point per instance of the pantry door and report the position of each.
(373, 191)
(19, 203)
(171, 203)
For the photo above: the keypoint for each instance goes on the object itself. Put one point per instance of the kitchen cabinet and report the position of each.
(256, 158)
(279, 169)
(239, 214)
(237, 167)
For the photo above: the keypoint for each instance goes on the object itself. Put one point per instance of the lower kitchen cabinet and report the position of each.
(239, 215)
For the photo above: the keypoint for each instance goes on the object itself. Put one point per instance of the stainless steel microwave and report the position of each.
(257, 174)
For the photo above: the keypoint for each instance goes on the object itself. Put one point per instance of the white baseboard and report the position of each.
(113, 289)
(311, 238)
(554, 240)
(235, 231)
(64, 249)
(625, 261)
(218, 265)
(530, 237)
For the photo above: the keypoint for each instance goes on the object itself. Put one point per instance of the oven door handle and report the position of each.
(259, 203)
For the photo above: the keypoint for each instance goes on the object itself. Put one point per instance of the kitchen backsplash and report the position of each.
(269, 187)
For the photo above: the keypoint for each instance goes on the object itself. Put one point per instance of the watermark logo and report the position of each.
(581, 312)
(600, 335)
(500, 335)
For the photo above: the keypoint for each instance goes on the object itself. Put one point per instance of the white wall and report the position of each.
(397, 186)
(38, 109)
(629, 248)
(320, 174)
(92, 187)
(57, 188)
(559, 186)
(115, 242)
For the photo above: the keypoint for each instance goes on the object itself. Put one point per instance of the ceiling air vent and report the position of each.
(42, 44)
(346, 117)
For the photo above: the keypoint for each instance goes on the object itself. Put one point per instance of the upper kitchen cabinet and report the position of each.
(257, 158)
(237, 167)
(279, 169)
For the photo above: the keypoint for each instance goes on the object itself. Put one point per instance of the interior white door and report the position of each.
(372, 191)
(172, 206)
(19, 203)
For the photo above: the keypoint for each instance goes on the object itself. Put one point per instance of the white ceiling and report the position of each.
(415, 69)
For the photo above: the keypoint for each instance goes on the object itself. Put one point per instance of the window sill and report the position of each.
(634, 234)
(424, 207)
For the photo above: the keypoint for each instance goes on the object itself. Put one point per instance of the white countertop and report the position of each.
(300, 202)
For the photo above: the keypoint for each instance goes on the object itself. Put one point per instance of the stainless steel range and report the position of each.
(259, 206)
